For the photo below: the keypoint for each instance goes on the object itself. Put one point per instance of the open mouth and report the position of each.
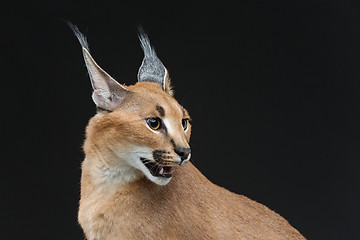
(157, 170)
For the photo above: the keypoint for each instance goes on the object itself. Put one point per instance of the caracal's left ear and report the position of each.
(152, 69)
(108, 93)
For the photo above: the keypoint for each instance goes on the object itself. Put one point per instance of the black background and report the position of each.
(272, 87)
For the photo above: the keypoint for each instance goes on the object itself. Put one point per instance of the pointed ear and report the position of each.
(108, 93)
(152, 69)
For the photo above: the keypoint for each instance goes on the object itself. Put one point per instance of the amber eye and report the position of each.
(154, 123)
(185, 123)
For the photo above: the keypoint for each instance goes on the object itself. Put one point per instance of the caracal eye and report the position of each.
(153, 123)
(185, 123)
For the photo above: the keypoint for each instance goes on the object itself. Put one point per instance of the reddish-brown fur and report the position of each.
(188, 207)
(124, 197)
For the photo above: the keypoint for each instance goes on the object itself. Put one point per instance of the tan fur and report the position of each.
(188, 207)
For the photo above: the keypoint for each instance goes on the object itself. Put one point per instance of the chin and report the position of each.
(158, 180)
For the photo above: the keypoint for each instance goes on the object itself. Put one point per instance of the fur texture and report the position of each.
(152, 69)
(189, 207)
(135, 181)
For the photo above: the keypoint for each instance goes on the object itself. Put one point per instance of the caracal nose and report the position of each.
(183, 152)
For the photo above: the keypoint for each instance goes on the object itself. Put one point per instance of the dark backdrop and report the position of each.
(272, 87)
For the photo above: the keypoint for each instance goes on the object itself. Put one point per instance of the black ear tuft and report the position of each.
(108, 93)
(149, 51)
(152, 69)
(81, 37)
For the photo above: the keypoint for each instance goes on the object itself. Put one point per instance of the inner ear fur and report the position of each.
(108, 93)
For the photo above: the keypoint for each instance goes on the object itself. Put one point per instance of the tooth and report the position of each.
(161, 171)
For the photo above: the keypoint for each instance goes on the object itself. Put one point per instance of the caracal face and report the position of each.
(149, 131)
(139, 129)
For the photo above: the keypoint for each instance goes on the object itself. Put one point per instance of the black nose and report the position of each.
(183, 152)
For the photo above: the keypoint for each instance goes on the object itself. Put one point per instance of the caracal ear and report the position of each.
(108, 93)
(152, 69)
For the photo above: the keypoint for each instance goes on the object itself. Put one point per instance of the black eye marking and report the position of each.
(161, 110)
(173, 143)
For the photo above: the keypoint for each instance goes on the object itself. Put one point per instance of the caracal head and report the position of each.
(139, 129)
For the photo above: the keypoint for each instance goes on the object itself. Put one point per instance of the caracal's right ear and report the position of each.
(108, 93)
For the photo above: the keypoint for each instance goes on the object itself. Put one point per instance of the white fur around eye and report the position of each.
(169, 127)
